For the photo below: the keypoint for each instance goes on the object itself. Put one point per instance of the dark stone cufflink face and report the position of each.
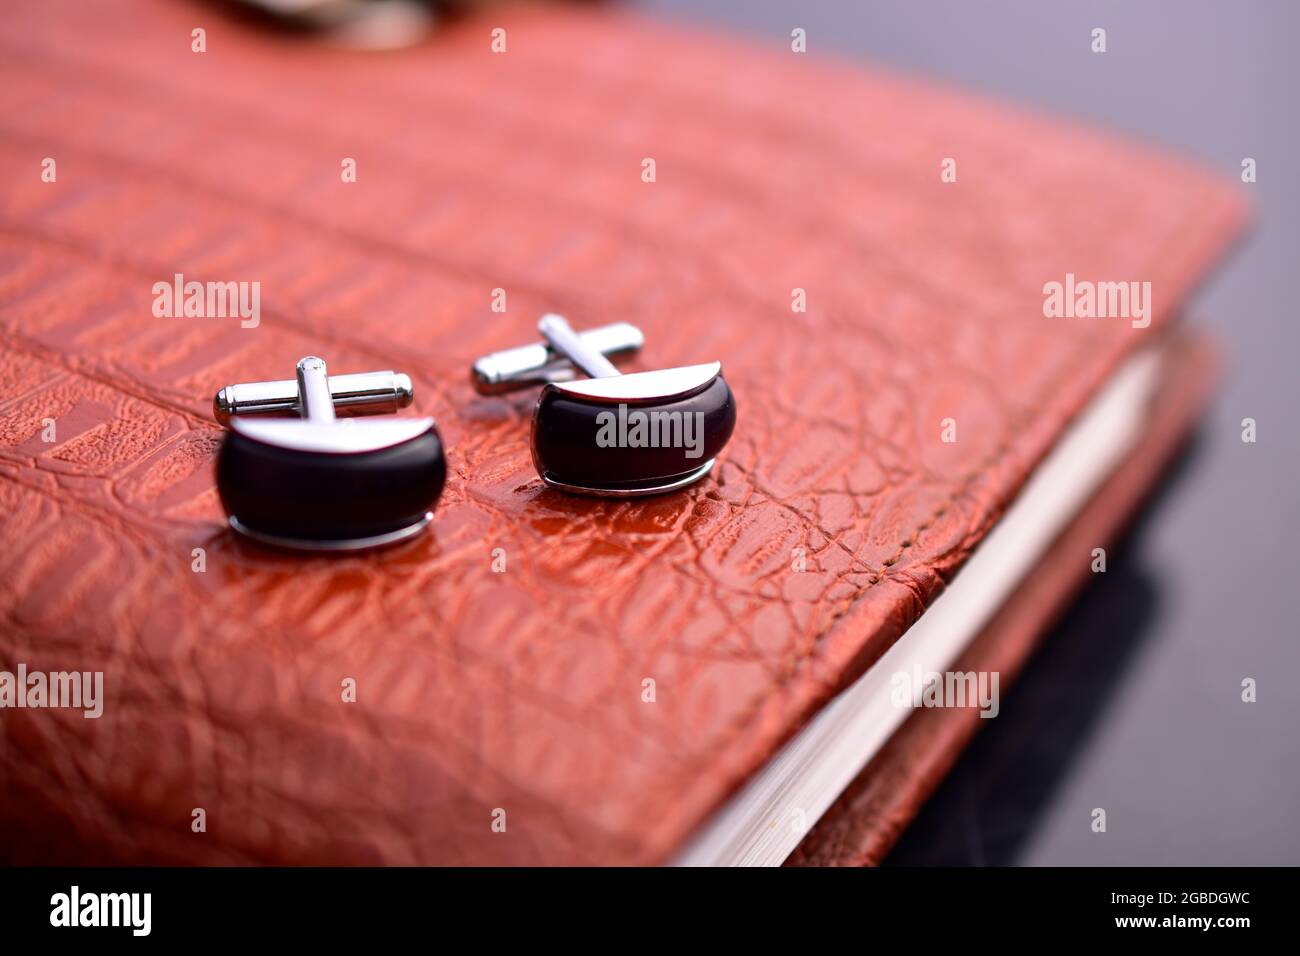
(616, 435)
(317, 483)
(637, 434)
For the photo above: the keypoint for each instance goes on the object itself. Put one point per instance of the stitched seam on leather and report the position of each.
(1083, 356)
(874, 577)
(847, 819)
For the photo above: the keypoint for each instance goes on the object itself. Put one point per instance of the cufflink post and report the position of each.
(561, 337)
(540, 363)
(314, 391)
(358, 394)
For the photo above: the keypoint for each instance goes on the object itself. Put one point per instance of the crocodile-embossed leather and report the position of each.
(520, 690)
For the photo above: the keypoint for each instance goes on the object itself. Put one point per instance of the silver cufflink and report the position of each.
(314, 482)
(613, 435)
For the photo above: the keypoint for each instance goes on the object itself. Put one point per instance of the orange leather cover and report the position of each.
(521, 691)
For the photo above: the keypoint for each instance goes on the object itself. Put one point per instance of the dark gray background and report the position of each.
(1133, 704)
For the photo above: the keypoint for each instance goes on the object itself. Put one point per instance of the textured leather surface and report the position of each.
(870, 816)
(520, 690)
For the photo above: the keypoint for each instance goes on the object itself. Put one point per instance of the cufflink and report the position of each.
(613, 435)
(321, 484)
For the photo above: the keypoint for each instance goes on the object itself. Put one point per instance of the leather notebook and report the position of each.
(540, 678)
